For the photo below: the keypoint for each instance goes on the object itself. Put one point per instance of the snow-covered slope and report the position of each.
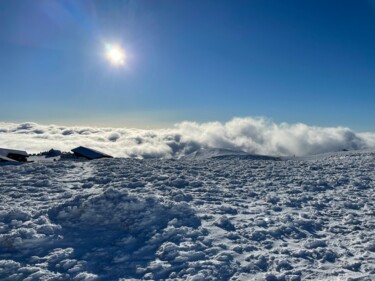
(213, 219)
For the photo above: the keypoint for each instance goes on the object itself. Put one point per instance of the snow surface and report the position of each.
(190, 219)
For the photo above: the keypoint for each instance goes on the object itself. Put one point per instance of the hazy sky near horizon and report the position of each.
(310, 61)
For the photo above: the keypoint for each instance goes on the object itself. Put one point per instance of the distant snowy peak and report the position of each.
(220, 153)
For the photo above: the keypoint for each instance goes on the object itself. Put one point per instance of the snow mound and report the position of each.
(112, 234)
(134, 226)
(226, 154)
(118, 209)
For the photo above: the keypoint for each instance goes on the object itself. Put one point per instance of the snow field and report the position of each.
(212, 219)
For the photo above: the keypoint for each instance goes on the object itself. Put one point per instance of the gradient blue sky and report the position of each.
(310, 61)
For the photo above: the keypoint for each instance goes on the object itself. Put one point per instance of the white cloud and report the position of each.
(254, 135)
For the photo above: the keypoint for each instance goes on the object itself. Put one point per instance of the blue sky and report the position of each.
(292, 61)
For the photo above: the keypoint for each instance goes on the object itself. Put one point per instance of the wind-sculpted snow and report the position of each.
(216, 219)
(251, 135)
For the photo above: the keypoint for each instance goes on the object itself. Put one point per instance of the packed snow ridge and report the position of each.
(199, 218)
(250, 135)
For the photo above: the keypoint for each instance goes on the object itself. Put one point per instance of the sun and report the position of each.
(115, 55)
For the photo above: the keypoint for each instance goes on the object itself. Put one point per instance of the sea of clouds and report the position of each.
(252, 135)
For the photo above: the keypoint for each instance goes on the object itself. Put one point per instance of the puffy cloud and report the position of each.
(253, 135)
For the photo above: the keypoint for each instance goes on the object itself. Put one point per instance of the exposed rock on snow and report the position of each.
(213, 219)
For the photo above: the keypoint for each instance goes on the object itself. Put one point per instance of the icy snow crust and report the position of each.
(212, 219)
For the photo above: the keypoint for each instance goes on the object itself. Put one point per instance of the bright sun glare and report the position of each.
(115, 55)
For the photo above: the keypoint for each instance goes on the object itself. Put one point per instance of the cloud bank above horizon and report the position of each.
(252, 135)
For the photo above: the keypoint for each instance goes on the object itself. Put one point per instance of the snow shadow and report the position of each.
(117, 234)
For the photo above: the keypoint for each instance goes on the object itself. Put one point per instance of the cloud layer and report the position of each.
(253, 135)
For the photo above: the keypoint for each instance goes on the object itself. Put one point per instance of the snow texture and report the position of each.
(190, 219)
(251, 135)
